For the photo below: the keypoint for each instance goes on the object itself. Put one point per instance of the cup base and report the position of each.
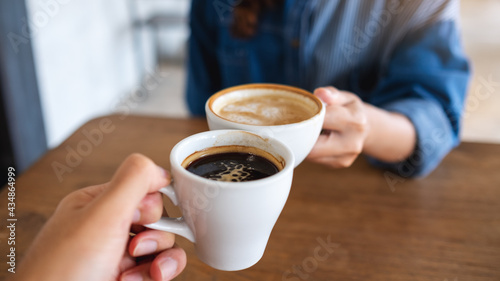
(238, 263)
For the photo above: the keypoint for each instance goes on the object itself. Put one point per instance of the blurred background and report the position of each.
(64, 62)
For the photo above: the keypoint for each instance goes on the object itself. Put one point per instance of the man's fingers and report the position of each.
(82, 197)
(150, 209)
(168, 264)
(150, 241)
(140, 272)
(126, 263)
(138, 170)
(136, 177)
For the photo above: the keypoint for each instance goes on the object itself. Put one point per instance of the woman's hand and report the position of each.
(344, 131)
(88, 237)
(353, 127)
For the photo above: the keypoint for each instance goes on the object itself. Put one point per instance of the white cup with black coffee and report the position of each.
(289, 114)
(231, 186)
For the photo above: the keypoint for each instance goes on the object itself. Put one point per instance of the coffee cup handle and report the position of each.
(174, 225)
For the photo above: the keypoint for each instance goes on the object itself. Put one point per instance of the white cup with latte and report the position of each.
(289, 114)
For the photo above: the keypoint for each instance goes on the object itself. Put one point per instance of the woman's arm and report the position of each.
(414, 118)
(352, 127)
(391, 136)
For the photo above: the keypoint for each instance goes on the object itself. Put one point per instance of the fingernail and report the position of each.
(145, 247)
(332, 93)
(326, 91)
(164, 172)
(168, 267)
(137, 216)
(133, 276)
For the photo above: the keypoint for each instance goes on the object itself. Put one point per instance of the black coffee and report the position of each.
(233, 166)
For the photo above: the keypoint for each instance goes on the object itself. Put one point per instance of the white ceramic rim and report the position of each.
(212, 135)
(285, 88)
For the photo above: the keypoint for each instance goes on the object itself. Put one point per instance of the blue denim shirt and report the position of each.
(402, 56)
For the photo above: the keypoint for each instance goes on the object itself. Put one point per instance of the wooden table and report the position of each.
(348, 224)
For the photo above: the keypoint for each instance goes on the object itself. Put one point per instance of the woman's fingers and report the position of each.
(150, 242)
(336, 162)
(333, 143)
(344, 110)
(332, 96)
(336, 118)
(327, 144)
(344, 129)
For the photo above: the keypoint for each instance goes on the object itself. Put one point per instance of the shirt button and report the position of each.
(295, 43)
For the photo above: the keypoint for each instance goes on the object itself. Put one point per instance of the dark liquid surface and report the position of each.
(232, 166)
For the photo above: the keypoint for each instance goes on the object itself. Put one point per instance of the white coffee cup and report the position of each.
(299, 136)
(229, 222)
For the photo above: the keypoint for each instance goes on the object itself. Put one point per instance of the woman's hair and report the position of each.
(246, 16)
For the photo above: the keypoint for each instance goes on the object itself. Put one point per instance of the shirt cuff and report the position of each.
(435, 137)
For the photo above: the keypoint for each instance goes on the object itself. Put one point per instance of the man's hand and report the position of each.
(88, 237)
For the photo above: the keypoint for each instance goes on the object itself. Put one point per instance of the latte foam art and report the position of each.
(266, 110)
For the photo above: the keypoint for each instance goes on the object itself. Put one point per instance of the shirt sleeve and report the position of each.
(426, 80)
(203, 75)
